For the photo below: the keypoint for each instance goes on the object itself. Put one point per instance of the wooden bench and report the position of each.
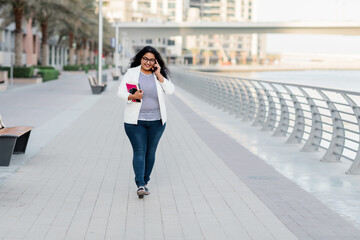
(96, 88)
(13, 140)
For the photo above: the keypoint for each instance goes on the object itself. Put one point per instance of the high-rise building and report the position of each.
(221, 48)
(204, 49)
(149, 11)
(143, 10)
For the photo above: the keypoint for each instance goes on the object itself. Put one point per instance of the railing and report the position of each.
(320, 118)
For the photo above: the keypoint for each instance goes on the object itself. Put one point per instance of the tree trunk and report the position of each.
(85, 52)
(78, 53)
(91, 49)
(71, 49)
(18, 13)
(44, 45)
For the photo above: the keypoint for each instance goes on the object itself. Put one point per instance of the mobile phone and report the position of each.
(153, 69)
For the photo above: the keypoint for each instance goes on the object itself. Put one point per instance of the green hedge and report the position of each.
(92, 66)
(49, 74)
(44, 67)
(20, 72)
(72, 68)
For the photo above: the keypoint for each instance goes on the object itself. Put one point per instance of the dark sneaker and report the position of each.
(141, 192)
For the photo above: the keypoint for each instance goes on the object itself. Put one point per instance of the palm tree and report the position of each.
(47, 13)
(15, 11)
(82, 29)
(78, 28)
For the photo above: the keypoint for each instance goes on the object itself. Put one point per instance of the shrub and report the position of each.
(20, 72)
(45, 67)
(72, 68)
(92, 66)
(48, 74)
(85, 68)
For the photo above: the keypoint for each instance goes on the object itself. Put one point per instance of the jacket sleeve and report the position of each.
(167, 86)
(122, 90)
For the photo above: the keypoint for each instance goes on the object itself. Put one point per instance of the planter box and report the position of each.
(28, 80)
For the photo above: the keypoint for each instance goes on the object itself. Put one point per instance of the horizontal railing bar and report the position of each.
(339, 103)
(305, 124)
(348, 113)
(307, 111)
(307, 132)
(324, 123)
(318, 145)
(295, 85)
(341, 155)
(349, 130)
(347, 121)
(348, 148)
(349, 139)
(323, 130)
(327, 140)
(326, 108)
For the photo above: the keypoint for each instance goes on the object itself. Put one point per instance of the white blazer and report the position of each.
(132, 109)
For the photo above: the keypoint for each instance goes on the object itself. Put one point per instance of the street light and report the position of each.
(116, 49)
(100, 43)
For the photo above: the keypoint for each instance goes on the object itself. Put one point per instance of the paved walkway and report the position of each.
(76, 179)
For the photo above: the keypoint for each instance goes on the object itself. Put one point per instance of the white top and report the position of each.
(132, 109)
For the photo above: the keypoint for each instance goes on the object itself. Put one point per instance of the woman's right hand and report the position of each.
(137, 95)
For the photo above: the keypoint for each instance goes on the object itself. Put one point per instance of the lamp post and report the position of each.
(116, 49)
(100, 43)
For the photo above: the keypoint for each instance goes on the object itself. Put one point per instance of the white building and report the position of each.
(221, 48)
(205, 49)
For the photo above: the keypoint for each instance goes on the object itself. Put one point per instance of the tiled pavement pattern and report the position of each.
(79, 182)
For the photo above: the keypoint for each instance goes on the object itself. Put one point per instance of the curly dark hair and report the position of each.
(136, 60)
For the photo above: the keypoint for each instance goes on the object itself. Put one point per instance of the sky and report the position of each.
(310, 10)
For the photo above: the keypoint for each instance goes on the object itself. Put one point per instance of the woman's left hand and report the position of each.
(157, 67)
(157, 72)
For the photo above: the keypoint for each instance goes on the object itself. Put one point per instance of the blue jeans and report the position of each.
(144, 138)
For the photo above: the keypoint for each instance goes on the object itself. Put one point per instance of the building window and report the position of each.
(171, 42)
(148, 41)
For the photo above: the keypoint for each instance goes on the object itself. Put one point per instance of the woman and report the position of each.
(145, 113)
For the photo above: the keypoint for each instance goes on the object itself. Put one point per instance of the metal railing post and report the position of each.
(299, 126)
(249, 115)
(236, 106)
(338, 133)
(313, 142)
(281, 129)
(355, 166)
(244, 100)
(261, 110)
(269, 124)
